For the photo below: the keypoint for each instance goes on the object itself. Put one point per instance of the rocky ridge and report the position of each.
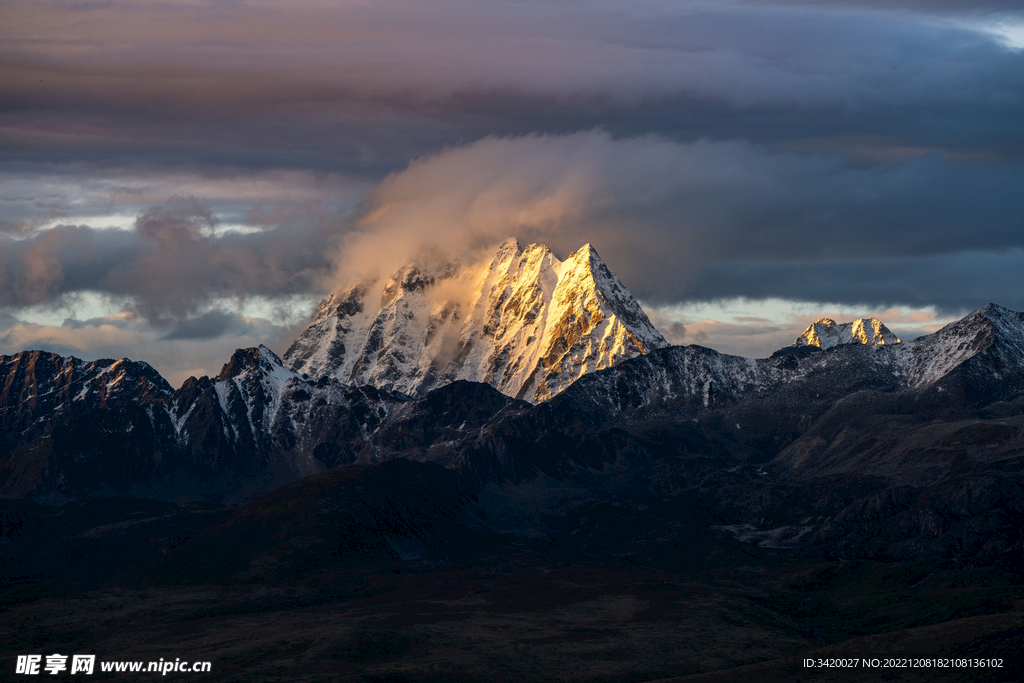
(75, 429)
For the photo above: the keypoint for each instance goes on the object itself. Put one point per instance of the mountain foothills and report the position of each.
(549, 393)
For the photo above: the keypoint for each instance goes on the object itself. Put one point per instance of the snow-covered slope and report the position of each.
(990, 340)
(70, 428)
(257, 409)
(974, 361)
(826, 333)
(529, 326)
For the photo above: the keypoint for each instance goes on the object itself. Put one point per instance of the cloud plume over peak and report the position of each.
(669, 216)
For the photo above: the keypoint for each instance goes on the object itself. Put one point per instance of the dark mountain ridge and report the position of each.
(770, 507)
(762, 441)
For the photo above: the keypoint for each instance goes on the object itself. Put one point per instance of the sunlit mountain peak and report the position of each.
(524, 322)
(826, 333)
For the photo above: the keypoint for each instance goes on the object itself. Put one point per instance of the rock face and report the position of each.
(258, 417)
(825, 333)
(529, 326)
(36, 387)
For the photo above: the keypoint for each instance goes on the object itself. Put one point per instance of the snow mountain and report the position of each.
(825, 333)
(530, 326)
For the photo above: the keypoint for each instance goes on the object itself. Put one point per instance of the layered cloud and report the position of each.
(172, 264)
(679, 222)
(175, 355)
(366, 87)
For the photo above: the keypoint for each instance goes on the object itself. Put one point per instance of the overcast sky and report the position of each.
(181, 178)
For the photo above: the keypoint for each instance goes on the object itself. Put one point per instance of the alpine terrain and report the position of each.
(530, 326)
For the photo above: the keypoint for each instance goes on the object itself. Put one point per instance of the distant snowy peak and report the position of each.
(526, 323)
(826, 333)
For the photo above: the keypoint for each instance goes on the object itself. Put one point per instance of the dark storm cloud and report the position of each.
(952, 283)
(365, 88)
(208, 326)
(172, 263)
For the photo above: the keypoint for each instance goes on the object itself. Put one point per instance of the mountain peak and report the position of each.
(243, 360)
(529, 325)
(509, 246)
(987, 326)
(826, 333)
(996, 313)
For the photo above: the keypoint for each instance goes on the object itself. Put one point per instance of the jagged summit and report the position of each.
(243, 360)
(826, 333)
(526, 323)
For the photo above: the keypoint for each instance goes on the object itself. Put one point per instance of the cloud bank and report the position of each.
(170, 265)
(176, 356)
(365, 87)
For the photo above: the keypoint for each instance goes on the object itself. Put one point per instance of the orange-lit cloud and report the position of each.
(707, 220)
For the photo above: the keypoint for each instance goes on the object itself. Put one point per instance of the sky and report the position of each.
(182, 178)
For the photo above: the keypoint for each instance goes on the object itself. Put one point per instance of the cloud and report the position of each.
(172, 264)
(363, 88)
(678, 222)
(951, 282)
(36, 196)
(674, 331)
(936, 6)
(709, 220)
(854, 150)
(216, 324)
